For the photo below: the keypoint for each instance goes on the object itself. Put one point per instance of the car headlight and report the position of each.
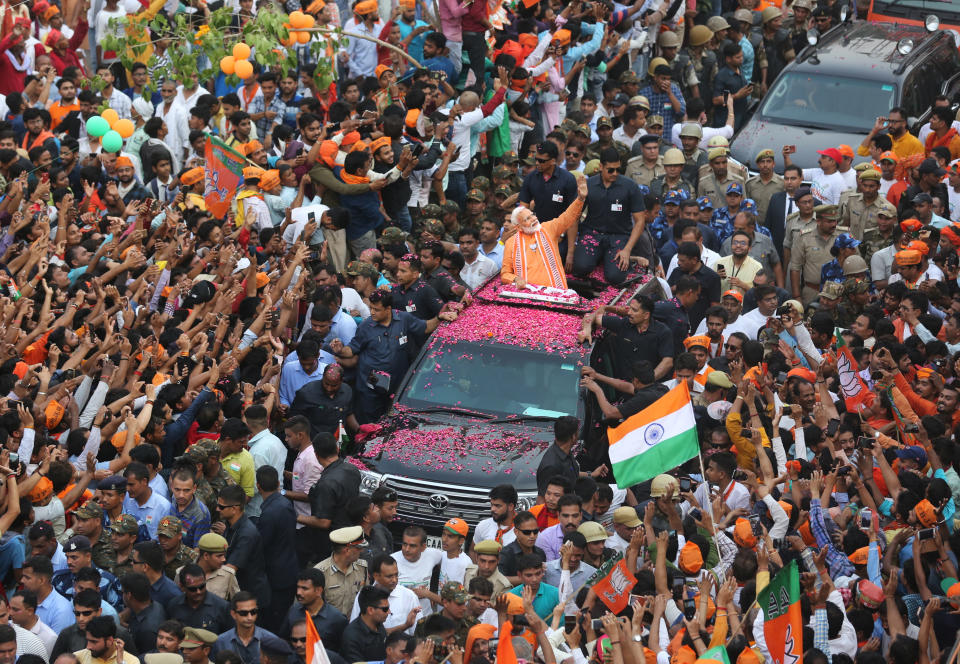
(526, 500)
(369, 481)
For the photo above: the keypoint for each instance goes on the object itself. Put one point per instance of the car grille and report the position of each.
(427, 503)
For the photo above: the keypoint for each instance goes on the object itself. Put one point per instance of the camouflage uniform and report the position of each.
(874, 241)
(184, 556)
(594, 149)
(104, 556)
(451, 591)
(123, 524)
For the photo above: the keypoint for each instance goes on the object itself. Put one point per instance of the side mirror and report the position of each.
(844, 13)
(813, 36)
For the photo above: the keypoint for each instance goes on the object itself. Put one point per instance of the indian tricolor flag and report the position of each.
(316, 653)
(716, 655)
(658, 438)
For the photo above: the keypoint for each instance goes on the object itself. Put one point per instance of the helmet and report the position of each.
(673, 157)
(668, 39)
(656, 62)
(718, 142)
(769, 14)
(661, 484)
(854, 265)
(717, 23)
(700, 35)
(744, 16)
(691, 130)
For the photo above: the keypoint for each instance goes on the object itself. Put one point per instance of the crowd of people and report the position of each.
(178, 383)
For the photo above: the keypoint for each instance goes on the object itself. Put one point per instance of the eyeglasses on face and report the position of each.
(529, 531)
(572, 153)
(610, 170)
(542, 160)
(385, 609)
(195, 589)
(296, 639)
(220, 507)
(88, 612)
(247, 612)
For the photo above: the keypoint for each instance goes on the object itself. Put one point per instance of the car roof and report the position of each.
(495, 319)
(865, 50)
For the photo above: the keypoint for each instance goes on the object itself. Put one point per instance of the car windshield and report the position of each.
(948, 12)
(502, 380)
(824, 101)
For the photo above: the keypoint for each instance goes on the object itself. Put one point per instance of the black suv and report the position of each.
(833, 92)
(477, 407)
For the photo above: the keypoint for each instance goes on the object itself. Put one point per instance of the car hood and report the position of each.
(759, 134)
(480, 453)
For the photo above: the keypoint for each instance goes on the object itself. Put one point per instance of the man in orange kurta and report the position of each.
(531, 255)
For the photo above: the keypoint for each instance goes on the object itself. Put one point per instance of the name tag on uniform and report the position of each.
(402, 340)
(411, 308)
(558, 198)
(616, 207)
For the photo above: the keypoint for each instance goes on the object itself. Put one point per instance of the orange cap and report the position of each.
(562, 36)
(41, 491)
(919, 245)
(805, 534)
(191, 177)
(328, 153)
(54, 414)
(457, 527)
(845, 150)
(889, 155)
(250, 147)
(252, 173)
(748, 656)
(514, 604)
(270, 180)
(911, 225)
(119, 439)
(123, 161)
(859, 557)
(701, 340)
(801, 372)
(381, 70)
(366, 7)
(412, 116)
(737, 295)
(349, 139)
(908, 257)
(262, 279)
(382, 142)
(743, 533)
(690, 559)
(926, 513)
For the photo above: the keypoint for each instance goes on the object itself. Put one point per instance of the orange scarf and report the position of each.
(349, 178)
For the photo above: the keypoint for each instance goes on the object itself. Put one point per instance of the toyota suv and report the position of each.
(477, 407)
(832, 93)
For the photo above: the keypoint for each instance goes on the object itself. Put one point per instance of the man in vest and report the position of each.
(37, 134)
(699, 347)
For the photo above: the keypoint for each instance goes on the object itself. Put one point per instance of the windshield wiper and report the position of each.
(447, 409)
(526, 418)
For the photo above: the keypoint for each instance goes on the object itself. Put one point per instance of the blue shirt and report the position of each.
(416, 44)
(748, 59)
(388, 348)
(442, 65)
(110, 589)
(56, 611)
(195, 519)
(546, 600)
(164, 590)
(294, 377)
(148, 514)
(12, 553)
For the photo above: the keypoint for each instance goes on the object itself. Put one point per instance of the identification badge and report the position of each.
(616, 207)
(235, 467)
(411, 308)
(558, 198)
(402, 340)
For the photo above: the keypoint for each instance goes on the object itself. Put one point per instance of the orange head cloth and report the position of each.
(481, 631)
(806, 534)
(20, 370)
(911, 226)
(316, 7)
(250, 147)
(412, 116)
(915, 245)
(119, 439)
(908, 257)
(122, 162)
(801, 372)
(690, 559)
(513, 49)
(380, 71)
(950, 232)
(926, 513)
(860, 556)
(52, 11)
(408, 4)
(907, 164)
(328, 153)
(748, 656)
(743, 533)
(924, 372)
(562, 36)
(52, 38)
(382, 142)
(252, 173)
(349, 139)
(53, 414)
(191, 177)
(366, 7)
(41, 491)
(262, 279)
(528, 42)
(270, 180)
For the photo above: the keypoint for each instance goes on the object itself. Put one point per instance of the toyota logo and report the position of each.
(439, 502)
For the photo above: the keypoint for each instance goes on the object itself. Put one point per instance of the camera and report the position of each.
(755, 524)
(685, 483)
(866, 516)
(911, 427)
(784, 309)
(865, 443)
(926, 534)
(689, 608)
(843, 470)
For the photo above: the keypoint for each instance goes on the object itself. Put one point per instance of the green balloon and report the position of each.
(112, 141)
(97, 126)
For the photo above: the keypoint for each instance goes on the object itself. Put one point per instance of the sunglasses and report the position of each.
(571, 153)
(247, 612)
(385, 609)
(530, 531)
(610, 170)
(195, 589)
(83, 613)
(220, 507)
(542, 161)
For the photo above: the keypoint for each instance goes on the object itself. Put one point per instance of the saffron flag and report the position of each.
(223, 175)
(856, 396)
(782, 622)
(658, 438)
(716, 655)
(505, 652)
(316, 653)
(614, 589)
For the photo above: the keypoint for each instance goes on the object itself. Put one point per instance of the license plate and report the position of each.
(434, 542)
